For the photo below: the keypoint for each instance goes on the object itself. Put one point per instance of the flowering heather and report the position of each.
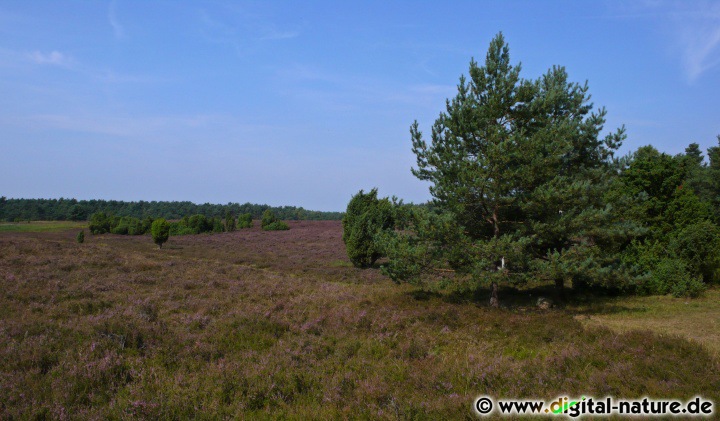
(256, 324)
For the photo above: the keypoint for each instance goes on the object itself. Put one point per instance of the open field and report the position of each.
(696, 319)
(255, 325)
(41, 226)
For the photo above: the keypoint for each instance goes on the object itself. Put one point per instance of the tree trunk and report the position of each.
(494, 302)
(560, 289)
(496, 223)
(160, 245)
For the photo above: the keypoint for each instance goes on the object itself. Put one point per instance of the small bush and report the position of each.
(365, 218)
(689, 286)
(268, 217)
(81, 237)
(100, 223)
(698, 245)
(276, 226)
(671, 276)
(219, 227)
(230, 223)
(271, 223)
(160, 231)
(245, 221)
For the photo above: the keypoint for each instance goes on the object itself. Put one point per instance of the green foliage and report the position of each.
(698, 245)
(271, 223)
(196, 224)
(365, 218)
(276, 226)
(100, 223)
(127, 225)
(685, 208)
(674, 201)
(421, 244)
(80, 237)
(524, 188)
(682, 265)
(268, 217)
(78, 213)
(230, 223)
(245, 221)
(147, 224)
(160, 231)
(671, 276)
(76, 210)
(714, 179)
(218, 226)
(520, 168)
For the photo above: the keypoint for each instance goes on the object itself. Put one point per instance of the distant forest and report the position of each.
(80, 210)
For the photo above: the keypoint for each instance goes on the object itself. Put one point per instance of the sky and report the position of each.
(305, 103)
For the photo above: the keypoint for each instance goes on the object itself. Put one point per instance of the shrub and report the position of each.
(365, 218)
(689, 286)
(100, 223)
(200, 223)
(276, 226)
(160, 231)
(230, 223)
(271, 223)
(218, 226)
(671, 276)
(245, 220)
(81, 237)
(268, 217)
(196, 224)
(698, 245)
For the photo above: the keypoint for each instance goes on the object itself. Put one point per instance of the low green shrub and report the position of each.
(698, 245)
(672, 276)
(245, 221)
(276, 226)
(271, 223)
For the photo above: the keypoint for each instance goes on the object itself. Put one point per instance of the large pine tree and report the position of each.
(522, 169)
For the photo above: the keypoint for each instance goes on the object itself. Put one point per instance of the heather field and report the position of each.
(255, 325)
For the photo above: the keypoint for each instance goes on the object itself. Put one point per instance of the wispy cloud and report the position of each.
(140, 127)
(118, 29)
(54, 58)
(693, 28)
(241, 29)
(271, 32)
(700, 48)
(59, 59)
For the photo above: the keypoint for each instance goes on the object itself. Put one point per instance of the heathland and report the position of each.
(278, 324)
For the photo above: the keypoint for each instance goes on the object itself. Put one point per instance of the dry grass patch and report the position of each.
(696, 319)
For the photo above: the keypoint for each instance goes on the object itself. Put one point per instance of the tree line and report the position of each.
(525, 188)
(104, 223)
(80, 210)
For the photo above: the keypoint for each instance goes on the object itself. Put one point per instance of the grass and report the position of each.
(695, 319)
(266, 325)
(41, 226)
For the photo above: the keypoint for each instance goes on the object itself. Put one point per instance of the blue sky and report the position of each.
(305, 103)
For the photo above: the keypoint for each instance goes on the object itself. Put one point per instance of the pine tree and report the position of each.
(520, 166)
(714, 177)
